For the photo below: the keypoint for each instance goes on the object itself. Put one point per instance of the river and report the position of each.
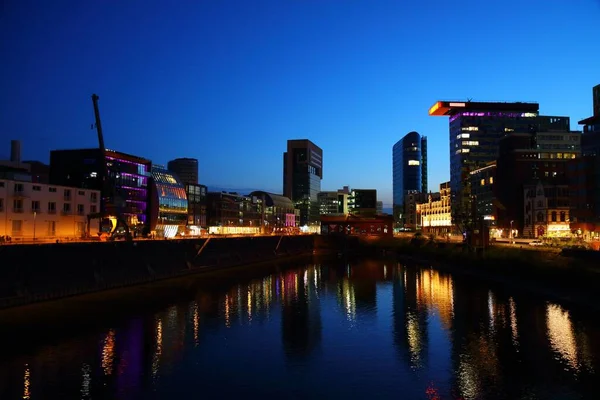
(367, 329)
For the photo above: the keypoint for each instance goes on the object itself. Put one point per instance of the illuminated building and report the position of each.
(435, 215)
(475, 131)
(302, 174)
(546, 210)
(37, 211)
(409, 160)
(232, 213)
(333, 203)
(196, 196)
(128, 177)
(525, 158)
(483, 192)
(278, 212)
(169, 205)
(410, 217)
(362, 202)
(186, 169)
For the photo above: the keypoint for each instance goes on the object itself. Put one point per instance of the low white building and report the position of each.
(35, 211)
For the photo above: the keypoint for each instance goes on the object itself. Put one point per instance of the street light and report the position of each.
(511, 231)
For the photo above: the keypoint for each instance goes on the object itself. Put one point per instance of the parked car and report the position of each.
(536, 242)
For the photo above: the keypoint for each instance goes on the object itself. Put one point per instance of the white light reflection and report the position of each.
(414, 339)
(86, 380)
(560, 334)
(305, 278)
(491, 311)
(513, 322)
(384, 271)
(227, 316)
(249, 303)
(467, 378)
(108, 352)
(196, 324)
(349, 300)
(27, 383)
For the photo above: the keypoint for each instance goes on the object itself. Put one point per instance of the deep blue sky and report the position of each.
(229, 82)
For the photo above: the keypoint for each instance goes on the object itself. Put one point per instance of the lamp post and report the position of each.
(511, 231)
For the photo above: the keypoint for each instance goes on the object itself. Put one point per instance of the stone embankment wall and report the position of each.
(32, 273)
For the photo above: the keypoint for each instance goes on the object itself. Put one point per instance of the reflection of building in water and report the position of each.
(347, 298)
(131, 358)
(300, 313)
(409, 321)
(435, 292)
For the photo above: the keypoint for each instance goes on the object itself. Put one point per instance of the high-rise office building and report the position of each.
(186, 170)
(409, 156)
(475, 131)
(302, 174)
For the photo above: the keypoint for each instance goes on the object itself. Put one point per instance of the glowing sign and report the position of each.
(457, 104)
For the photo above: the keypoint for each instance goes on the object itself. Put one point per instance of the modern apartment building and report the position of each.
(302, 174)
(168, 203)
(186, 170)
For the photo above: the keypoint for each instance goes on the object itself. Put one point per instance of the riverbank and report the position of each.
(568, 277)
(39, 273)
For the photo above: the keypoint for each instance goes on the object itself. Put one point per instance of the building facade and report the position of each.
(333, 203)
(435, 215)
(186, 170)
(409, 170)
(196, 196)
(31, 211)
(546, 210)
(302, 174)
(126, 190)
(362, 202)
(380, 225)
(483, 191)
(524, 157)
(475, 129)
(411, 219)
(168, 203)
(232, 214)
(278, 213)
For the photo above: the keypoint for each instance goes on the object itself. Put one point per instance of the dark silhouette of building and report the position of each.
(196, 195)
(169, 204)
(302, 174)
(475, 131)
(233, 213)
(409, 156)
(128, 176)
(362, 202)
(186, 169)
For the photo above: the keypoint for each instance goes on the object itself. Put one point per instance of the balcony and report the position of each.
(19, 193)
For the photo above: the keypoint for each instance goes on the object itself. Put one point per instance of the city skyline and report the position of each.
(230, 85)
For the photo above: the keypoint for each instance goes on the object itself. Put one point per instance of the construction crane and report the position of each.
(107, 189)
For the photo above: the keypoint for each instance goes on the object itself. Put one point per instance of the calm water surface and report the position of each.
(369, 329)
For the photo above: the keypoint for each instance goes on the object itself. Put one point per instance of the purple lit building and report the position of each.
(128, 176)
(475, 132)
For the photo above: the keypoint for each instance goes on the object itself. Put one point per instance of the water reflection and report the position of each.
(352, 325)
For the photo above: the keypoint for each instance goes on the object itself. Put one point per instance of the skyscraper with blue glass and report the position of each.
(409, 156)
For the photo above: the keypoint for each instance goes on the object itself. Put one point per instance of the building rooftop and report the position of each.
(443, 108)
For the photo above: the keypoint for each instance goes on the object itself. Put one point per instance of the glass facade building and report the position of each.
(302, 174)
(169, 212)
(409, 163)
(186, 170)
(126, 190)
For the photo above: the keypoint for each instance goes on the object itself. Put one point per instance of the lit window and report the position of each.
(491, 179)
(470, 143)
(413, 162)
(470, 128)
(463, 136)
(482, 182)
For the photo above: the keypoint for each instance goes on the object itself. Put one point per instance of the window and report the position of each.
(52, 189)
(93, 197)
(491, 180)
(51, 207)
(80, 209)
(36, 188)
(553, 216)
(18, 188)
(51, 228)
(81, 193)
(67, 194)
(17, 227)
(540, 217)
(1, 204)
(1, 184)
(35, 206)
(413, 162)
(18, 205)
(93, 209)
(67, 208)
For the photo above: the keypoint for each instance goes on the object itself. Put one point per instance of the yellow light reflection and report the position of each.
(349, 299)
(414, 339)
(435, 292)
(27, 383)
(513, 322)
(467, 378)
(560, 333)
(249, 302)
(158, 348)
(227, 316)
(196, 324)
(108, 352)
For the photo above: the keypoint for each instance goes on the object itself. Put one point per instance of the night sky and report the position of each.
(228, 82)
